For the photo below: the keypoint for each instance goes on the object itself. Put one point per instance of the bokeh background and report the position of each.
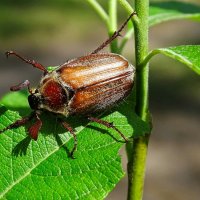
(52, 32)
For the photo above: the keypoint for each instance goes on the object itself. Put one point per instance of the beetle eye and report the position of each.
(34, 101)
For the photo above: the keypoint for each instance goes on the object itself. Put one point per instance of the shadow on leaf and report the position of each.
(62, 145)
(21, 148)
(2, 110)
(103, 131)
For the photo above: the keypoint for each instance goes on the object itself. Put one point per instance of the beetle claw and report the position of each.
(111, 124)
(7, 54)
(72, 155)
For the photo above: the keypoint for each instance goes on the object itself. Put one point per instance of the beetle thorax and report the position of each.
(51, 95)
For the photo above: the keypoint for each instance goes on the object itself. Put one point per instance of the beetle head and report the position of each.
(35, 101)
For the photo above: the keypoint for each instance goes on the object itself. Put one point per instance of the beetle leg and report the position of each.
(115, 35)
(26, 83)
(19, 122)
(31, 62)
(70, 129)
(108, 125)
(35, 128)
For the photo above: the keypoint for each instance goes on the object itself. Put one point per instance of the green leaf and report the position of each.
(43, 169)
(16, 101)
(51, 68)
(165, 11)
(187, 54)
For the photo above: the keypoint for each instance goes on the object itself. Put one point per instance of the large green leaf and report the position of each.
(187, 54)
(43, 170)
(165, 11)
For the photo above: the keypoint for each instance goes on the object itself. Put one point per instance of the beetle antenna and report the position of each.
(22, 85)
(31, 62)
(115, 35)
(33, 130)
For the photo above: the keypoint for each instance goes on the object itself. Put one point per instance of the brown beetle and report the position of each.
(81, 86)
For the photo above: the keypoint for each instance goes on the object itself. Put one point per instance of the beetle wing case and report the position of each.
(97, 80)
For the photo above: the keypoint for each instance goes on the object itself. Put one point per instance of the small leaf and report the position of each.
(51, 68)
(43, 169)
(187, 54)
(165, 11)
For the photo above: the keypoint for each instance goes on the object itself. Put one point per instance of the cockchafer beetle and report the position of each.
(81, 86)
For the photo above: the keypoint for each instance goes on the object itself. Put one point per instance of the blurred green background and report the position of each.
(52, 32)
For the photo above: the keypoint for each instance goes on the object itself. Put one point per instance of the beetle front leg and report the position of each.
(35, 128)
(18, 123)
(108, 125)
(70, 129)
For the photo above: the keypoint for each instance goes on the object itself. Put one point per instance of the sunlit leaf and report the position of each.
(187, 54)
(43, 168)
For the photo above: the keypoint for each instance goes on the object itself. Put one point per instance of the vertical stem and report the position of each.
(137, 150)
(141, 48)
(136, 167)
(112, 26)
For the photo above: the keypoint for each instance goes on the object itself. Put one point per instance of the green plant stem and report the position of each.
(137, 151)
(112, 26)
(126, 6)
(141, 48)
(98, 8)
